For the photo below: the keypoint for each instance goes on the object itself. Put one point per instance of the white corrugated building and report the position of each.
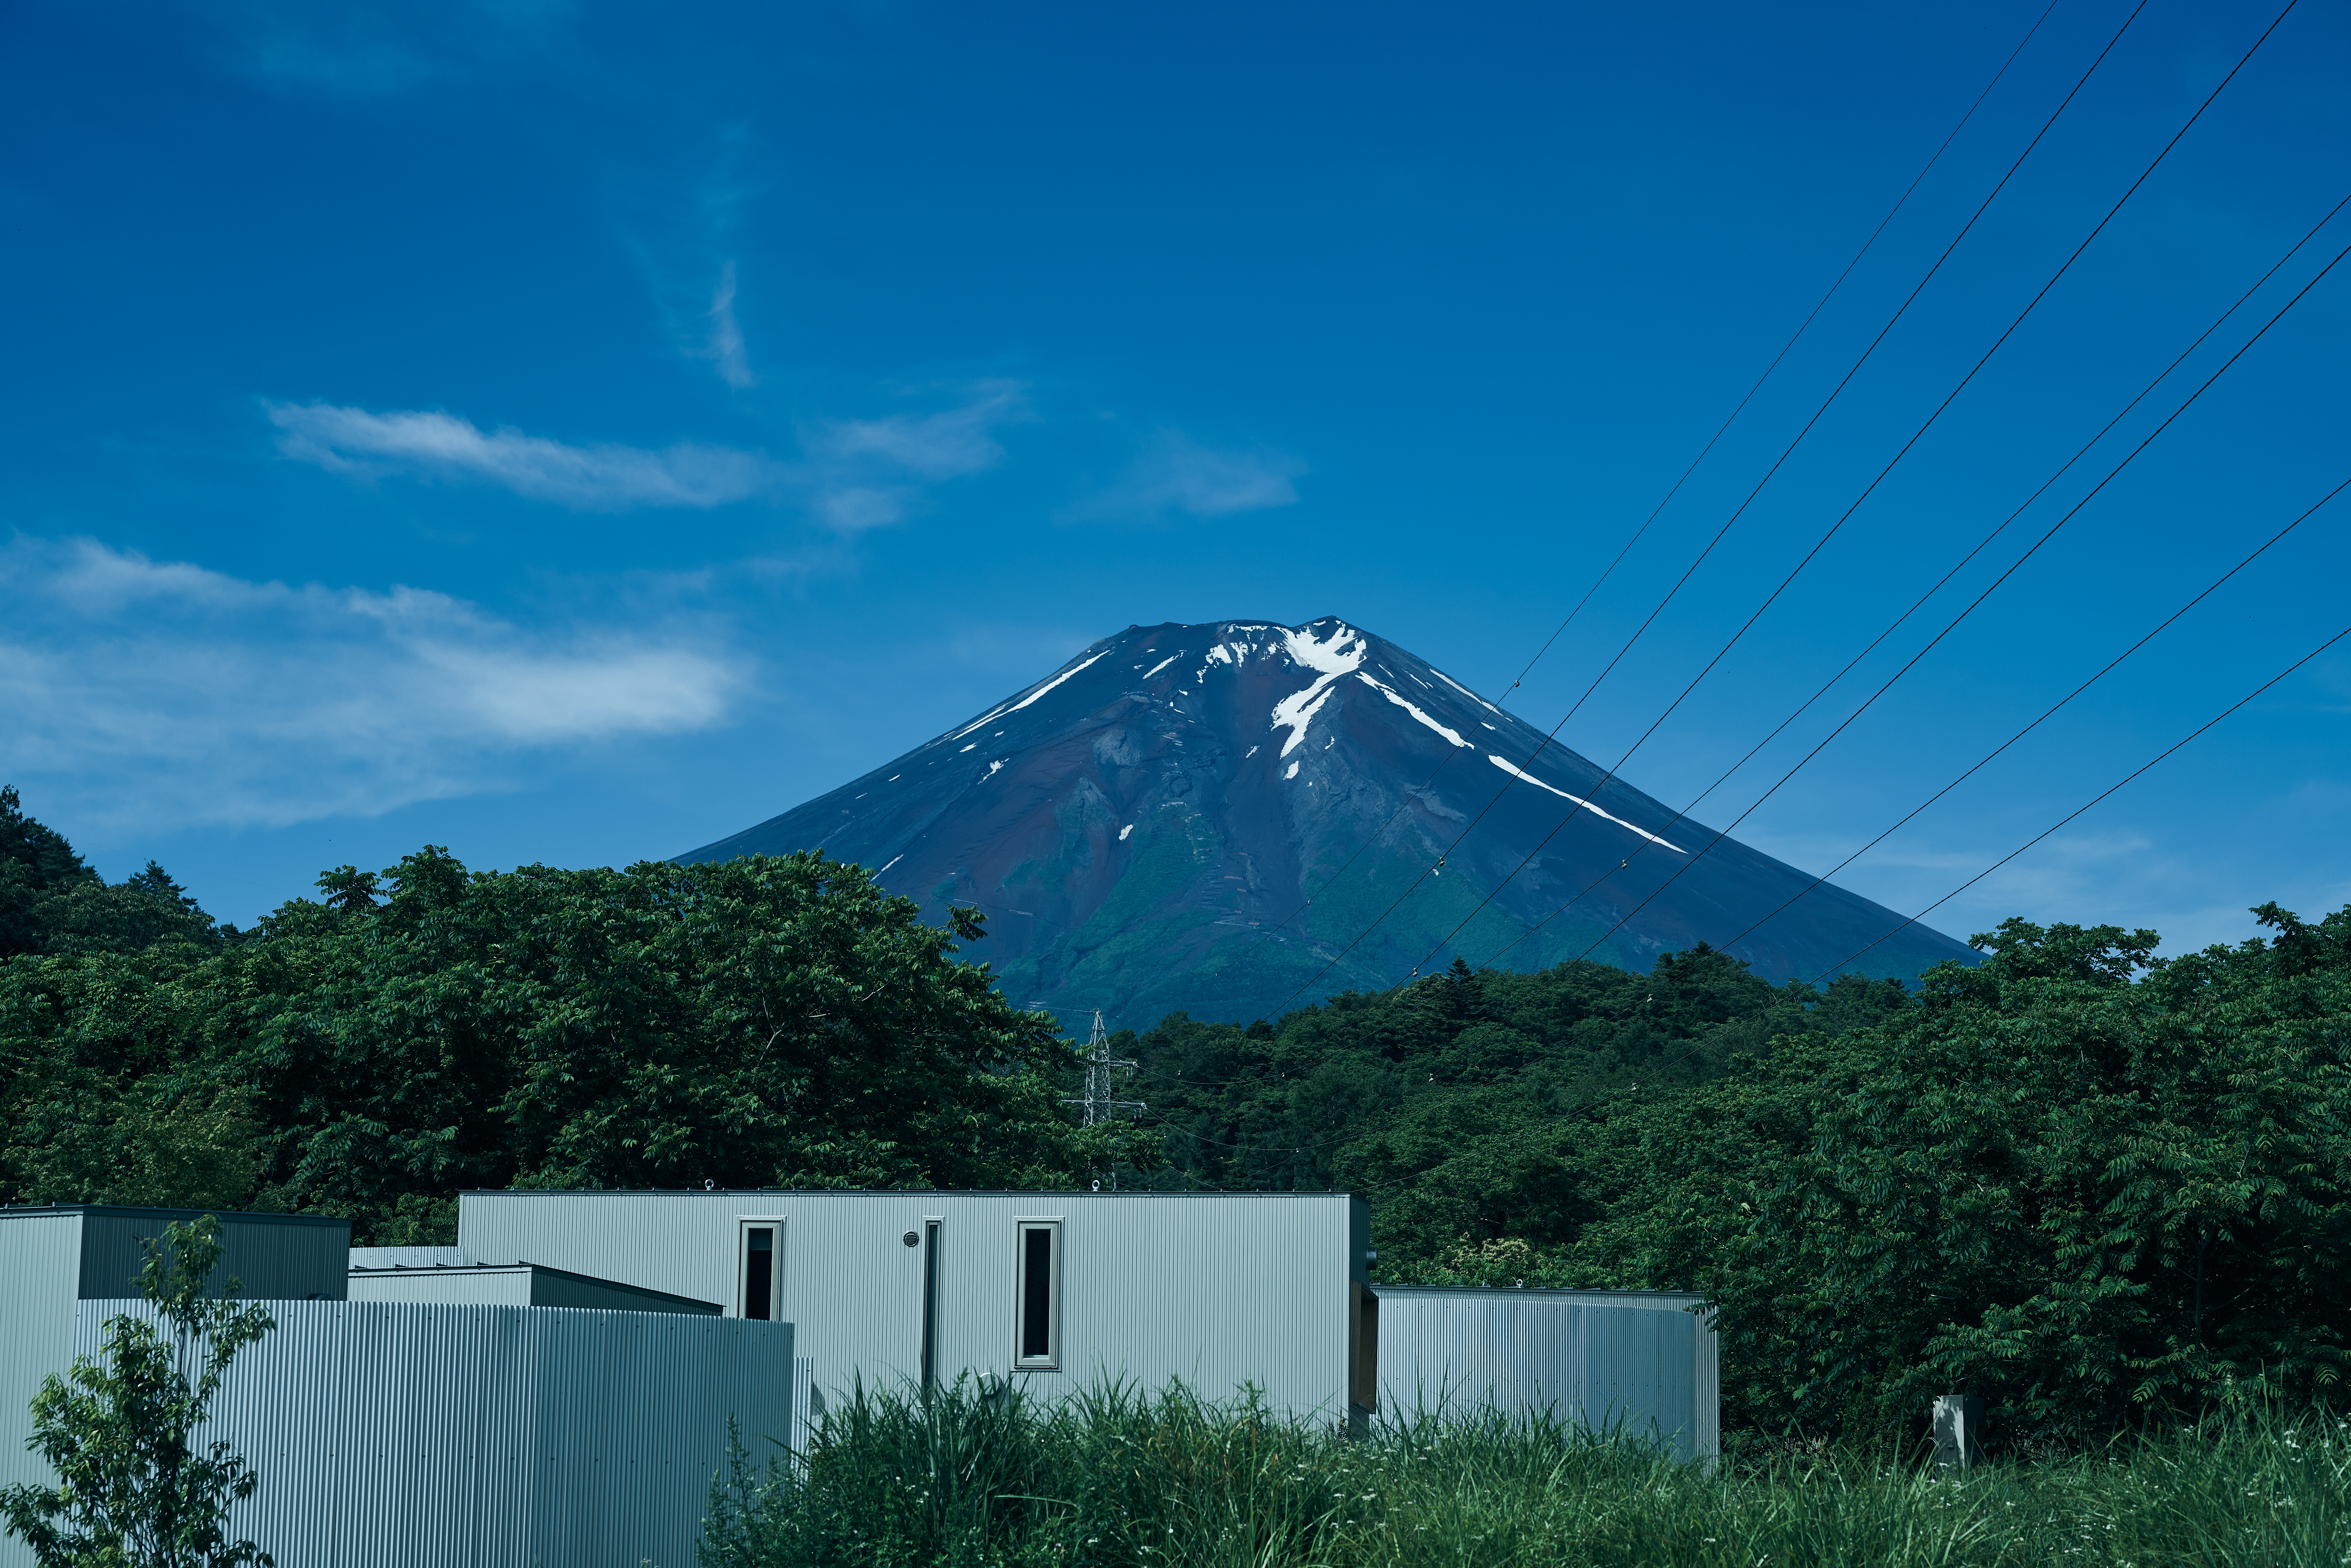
(1050, 1290)
(557, 1387)
(448, 1421)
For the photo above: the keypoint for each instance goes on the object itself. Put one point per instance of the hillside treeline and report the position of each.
(2097, 1188)
(765, 1022)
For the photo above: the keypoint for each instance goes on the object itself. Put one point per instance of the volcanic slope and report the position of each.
(1136, 822)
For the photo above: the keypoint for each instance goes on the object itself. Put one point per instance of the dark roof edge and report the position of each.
(10, 1211)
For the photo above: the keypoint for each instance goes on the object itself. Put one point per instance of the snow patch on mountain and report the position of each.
(1339, 654)
(1411, 708)
(1518, 772)
(1465, 691)
(1024, 702)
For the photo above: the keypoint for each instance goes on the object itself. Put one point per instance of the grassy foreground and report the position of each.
(1122, 1478)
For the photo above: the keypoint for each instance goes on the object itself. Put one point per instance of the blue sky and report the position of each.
(570, 433)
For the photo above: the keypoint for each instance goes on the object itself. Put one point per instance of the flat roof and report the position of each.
(865, 1192)
(599, 1280)
(12, 1211)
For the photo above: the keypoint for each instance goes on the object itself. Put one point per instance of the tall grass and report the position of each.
(971, 1479)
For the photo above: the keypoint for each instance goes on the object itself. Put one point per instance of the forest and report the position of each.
(2103, 1188)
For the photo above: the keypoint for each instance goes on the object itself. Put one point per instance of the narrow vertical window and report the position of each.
(930, 1304)
(1363, 1348)
(759, 1272)
(1038, 1312)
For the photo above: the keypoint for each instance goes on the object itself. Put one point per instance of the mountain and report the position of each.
(1145, 826)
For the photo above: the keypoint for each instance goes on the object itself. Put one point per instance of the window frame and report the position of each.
(744, 1225)
(1022, 1225)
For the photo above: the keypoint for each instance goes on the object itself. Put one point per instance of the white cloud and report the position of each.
(942, 445)
(724, 347)
(855, 474)
(1175, 473)
(591, 479)
(163, 691)
(853, 508)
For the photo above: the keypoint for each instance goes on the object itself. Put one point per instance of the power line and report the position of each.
(2036, 837)
(1835, 526)
(2261, 550)
(1867, 491)
(1952, 625)
(1907, 190)
(1724, 428)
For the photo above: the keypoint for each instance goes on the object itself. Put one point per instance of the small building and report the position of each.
(512, 1285)
(1643, 1363)
(1051, 1291)
(461, 1418)
(438, 1435)
(56, 1260)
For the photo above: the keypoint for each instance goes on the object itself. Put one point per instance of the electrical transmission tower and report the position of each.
(1101, 1089)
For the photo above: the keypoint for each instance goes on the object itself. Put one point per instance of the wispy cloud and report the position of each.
(367, 50)
(853, 474)
(593, 479)
(724, 346)
(1177, 475)
(942, 445)
(164, 692)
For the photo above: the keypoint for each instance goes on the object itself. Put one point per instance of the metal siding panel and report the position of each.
(40, 1269)
(455, 1287)
(272, 1257)
(552, 1288)
(1639, 1359)
(1219, 1289)
(421, 1435)
(804, 1411)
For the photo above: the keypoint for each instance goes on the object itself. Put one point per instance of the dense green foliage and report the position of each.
(770, 1021)
(2094, 1187)
(52, 903)
(1124, 1480)
(135, 1488)
(2098, 1189)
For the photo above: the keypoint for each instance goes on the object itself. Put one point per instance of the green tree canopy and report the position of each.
(769, 1020)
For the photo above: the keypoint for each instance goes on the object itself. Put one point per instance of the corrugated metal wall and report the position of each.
(275, 1257)
(40, 1261)
(397, 1435)
(452, 1287)
(50, 1258)
(1217, 1290)
(1641, 1359)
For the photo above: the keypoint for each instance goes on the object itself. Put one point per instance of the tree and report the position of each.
(769, 1020)
(52, 901)
(2097, 1188)
(134, 1487)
